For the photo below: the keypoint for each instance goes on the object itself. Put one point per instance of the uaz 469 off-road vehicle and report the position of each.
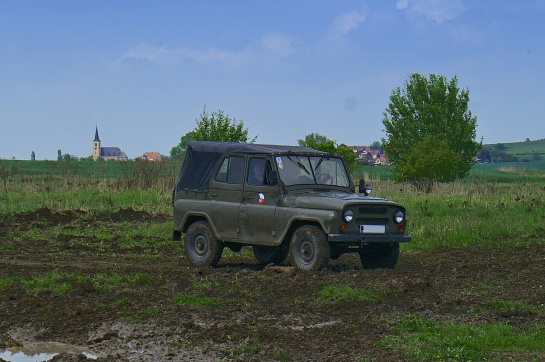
(283, 201)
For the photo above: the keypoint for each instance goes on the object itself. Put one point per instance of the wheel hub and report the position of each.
(200, 245)
(307, 251)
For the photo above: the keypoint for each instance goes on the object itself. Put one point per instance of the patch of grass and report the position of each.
(426, 340)
(252, 345)
(54, 282)
(106, 282)
(8, 281)
(196, 300)
(279, 354)
(510, 306)
(6, 247)
(344, 293)
(140, 278)
(364, 359)
(204, 283)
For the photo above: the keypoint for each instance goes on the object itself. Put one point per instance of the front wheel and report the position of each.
(382, 256)
(309, 248)
(201, 246)
(266, 255)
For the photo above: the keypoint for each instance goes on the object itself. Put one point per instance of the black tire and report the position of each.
(309, 248)
(266, 255)
(380, 257)
(201, 246)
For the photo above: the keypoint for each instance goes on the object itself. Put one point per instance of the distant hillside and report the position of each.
(524, 151)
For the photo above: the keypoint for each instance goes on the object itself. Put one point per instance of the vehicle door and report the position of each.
(226, 195)
(260, 199)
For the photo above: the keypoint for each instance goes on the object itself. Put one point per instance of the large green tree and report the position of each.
(430, 131)
(216, 126)
(322, 143)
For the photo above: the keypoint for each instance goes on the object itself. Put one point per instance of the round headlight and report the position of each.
(348, 215)
(399, 216)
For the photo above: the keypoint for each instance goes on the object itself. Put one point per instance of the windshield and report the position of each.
(314, 170)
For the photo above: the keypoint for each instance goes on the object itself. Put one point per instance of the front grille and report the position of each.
(372, 210)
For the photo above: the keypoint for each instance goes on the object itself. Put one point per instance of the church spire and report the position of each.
(96, 135)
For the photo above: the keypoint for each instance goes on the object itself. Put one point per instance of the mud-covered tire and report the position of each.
(309, 248)
(380, 257)
(201, 246)
(266, 255)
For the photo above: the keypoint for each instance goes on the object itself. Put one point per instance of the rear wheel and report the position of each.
(271, 254)
(309, 248)
(382, 256)
(201, 246)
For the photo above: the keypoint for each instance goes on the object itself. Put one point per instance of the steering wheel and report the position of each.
(326, 179)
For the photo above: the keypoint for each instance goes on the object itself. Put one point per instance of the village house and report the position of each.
(151, 156)
(367, 155)
(106, 153)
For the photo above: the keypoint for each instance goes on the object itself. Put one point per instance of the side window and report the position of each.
(258, 171)
(231, 170)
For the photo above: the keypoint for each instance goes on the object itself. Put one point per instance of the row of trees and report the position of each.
(430, 132)
(498, 154)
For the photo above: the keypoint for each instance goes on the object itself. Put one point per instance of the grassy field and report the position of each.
(497, 203)
(524, 151)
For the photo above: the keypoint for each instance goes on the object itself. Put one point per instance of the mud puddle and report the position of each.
(42, 351)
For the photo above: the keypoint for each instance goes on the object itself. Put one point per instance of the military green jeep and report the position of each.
(282, 201)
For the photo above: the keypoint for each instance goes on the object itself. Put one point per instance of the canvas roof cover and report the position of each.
(201, 158)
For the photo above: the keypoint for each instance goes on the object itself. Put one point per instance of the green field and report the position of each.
(500, 203)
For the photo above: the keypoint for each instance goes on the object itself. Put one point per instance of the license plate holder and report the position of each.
(372, 229)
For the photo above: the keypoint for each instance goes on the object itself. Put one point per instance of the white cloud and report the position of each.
(278, 44)
(402, 4)
(146, 52)
(434, 10)
(347, 22)
(342, 25)
(271, 46)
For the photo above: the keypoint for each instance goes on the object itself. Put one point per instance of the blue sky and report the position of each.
(142, 71)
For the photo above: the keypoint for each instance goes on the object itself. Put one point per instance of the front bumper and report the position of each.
(359, 239)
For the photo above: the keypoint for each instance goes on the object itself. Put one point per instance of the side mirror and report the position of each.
(363, 188)
(273, 178)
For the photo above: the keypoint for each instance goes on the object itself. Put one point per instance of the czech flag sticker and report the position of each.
(260, 198)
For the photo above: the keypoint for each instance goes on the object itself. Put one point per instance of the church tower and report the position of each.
(96, 145)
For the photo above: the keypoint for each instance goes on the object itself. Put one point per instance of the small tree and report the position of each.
(428, 113)
(501, 147)
(216, 126)
(485, 154)
(59, 155)
(179, 149)
(375, 145)
(322, 143)
(33, 156)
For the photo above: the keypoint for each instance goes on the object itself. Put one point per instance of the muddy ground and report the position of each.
(239, 311)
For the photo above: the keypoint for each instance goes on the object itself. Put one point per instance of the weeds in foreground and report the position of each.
(63, 283)
(335, 293)
(53, 282)
(516, 307)
(427, 340)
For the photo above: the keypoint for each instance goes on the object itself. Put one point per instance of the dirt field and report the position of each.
(274, 313)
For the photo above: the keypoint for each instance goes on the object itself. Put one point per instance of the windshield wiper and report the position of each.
(320, 162)
(300, 164)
